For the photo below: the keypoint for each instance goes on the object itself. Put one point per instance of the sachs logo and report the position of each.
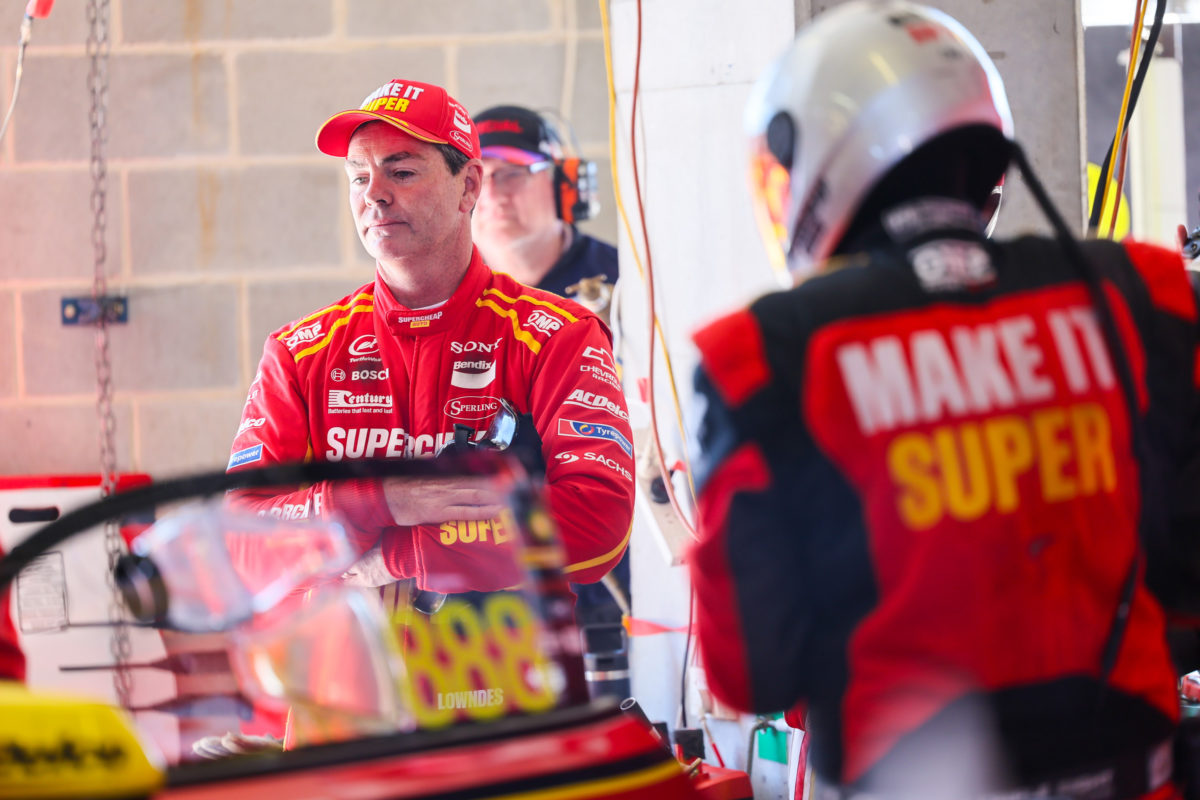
(365, 345)
(471, 407)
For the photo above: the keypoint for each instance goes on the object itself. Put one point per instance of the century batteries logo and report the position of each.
(344, 402)
(591, 430)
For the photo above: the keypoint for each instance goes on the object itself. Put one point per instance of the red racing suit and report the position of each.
(921, 511)
(368, 378)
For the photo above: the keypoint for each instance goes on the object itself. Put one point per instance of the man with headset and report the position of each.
(947, 484)
(533, 194)
(524, 225)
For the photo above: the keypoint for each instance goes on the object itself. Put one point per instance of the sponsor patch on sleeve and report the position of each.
(592, 430)
(247, 456)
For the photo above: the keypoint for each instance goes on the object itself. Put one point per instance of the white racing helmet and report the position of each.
(861, 88)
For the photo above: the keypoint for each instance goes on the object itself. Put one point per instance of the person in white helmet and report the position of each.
(947, 483)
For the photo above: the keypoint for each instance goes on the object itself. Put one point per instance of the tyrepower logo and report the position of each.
(369, 375)
(473, 374)
(344, 402)
(590, 400)
(364, 348)
(589, 430)
(471, 408)
(308, 333)
(475, 347)
(540, 320)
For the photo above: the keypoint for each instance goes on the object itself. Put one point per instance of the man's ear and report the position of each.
(472, 184)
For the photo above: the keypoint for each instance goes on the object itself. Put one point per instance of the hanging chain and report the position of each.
(98, 47)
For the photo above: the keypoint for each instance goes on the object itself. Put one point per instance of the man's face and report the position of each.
(516, 201)
(405, 201)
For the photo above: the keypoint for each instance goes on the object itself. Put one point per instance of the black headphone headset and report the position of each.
(575, 191)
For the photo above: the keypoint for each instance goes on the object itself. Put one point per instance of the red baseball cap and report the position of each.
(421, 110)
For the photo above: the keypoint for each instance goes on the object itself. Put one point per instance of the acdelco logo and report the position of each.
(591, 400)
(475, 347)
(471, 407)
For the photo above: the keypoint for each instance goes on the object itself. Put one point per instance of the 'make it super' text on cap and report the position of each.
(421, 110)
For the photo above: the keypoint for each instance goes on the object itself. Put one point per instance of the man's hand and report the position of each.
(369, 570)
(432, 500)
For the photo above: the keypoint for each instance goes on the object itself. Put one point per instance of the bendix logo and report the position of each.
(364, 345)
(472, 407)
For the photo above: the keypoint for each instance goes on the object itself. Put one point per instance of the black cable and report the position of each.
(1095, 285)
(1139, 79)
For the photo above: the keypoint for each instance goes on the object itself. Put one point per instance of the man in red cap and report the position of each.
(433, 344)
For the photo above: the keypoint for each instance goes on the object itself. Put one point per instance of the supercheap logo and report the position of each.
(592, 430)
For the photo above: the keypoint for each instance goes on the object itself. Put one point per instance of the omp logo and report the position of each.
(251, 423)
(365, 345)
(603, 357)
(471, 407)
(475, 347)
(589, 400)
(341, 401)
(567, 458)
(589, 430)
(369, 375)
(540, 320)
(473, 374)
(308, 333)
(612, 464)
(338, 374)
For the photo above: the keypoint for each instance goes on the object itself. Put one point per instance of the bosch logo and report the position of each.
(472, 407)
(369, 375)
(338, 374)
(475, 347)
(364, 345)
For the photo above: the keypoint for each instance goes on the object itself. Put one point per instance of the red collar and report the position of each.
(403, 321)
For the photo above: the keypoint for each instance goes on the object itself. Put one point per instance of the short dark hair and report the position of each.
(455, 159)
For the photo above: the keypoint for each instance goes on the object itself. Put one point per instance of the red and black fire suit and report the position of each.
(920, 507)
(368, 378)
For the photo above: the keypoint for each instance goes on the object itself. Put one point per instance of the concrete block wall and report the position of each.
(223, 221)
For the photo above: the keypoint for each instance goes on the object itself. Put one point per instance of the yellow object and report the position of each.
(1135, 47)
(58, 746)
(1121, 230)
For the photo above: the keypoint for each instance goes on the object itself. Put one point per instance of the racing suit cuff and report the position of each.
(361, 504)
(400, 552)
